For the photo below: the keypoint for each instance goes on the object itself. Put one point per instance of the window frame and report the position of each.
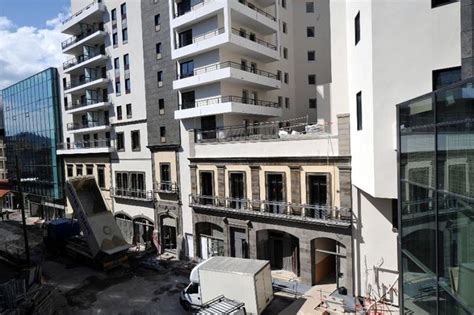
(137, 147)
(120, 148)
(359, 111)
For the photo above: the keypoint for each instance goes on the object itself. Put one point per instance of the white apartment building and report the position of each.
(104, 110)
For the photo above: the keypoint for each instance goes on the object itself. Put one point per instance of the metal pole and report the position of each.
(22, 207)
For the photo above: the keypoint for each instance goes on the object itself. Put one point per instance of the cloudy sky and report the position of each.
(30, 40)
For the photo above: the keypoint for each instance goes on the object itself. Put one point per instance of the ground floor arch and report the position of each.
(168, 232)
(209, 239)
(329, 259)
(280, 248)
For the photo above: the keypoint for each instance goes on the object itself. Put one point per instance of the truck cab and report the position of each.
(190, 297)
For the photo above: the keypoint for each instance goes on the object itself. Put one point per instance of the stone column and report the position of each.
(467, 43)
(344, 134)
(194, 180)
(221, 184)
(295, 178)
(345, 186)
(255, 180)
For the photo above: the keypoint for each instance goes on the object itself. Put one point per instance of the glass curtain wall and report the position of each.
(436, 198)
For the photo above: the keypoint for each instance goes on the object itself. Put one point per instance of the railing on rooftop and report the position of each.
(227, 64)
(90, 144)
(135, 194)
(285, 210)
(253, 38)
(225, 99)
(262, 131)
(196, 39)
(194, 7)
(81, 10)
(89, 30)
(253, 7)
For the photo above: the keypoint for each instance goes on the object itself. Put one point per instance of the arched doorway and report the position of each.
(280, 248)
(125, 225)
(143, 232)
(210, 240)
(329, 263)
(168, 229)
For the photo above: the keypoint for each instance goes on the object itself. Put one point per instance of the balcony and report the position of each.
(196, 13)
(246, 13)
(285, 211)
(131, 194)
(92, 60)
(249, 44)
(227, 104)
(86, 147)
(200, 44)
(91, 35)
(91, 13)
(85, 106)
(89, 126)
(167, 187)
(79, 86)
(228, 71)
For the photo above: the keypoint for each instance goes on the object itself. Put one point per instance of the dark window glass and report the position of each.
(120, 141)
(284, 27)
(312, 79)
(127, 86)
(163, 134)
(123, 10)
(287, 102)
(126, 62)
(89, 169)
(161, 106)
(275, 192)
(187, 69)
(283, 3)
(187, 100)
(115, 39)
(446, 77)
(101, 176)
(113, 14)
(70, 170)
(310, 31)
(119, 112)
(207, 185)
(437, 3)
(311, 55)
(357, 28)
(317, 189)
(312, 103)
(310, 7)
(359, 110)
(125, 35)
(135, 135)
(237, 189)
(165, 173)
(129, 110)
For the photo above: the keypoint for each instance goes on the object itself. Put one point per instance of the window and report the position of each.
(117, 88)
(207, 186)
(135, 135)
(186, 69)
(115, 39)
(280, 101)
(284, 27)
(165, 173)
(101, 176)
(283, 3)
(117, 63)
(131, 184)
(317, 189)
(311, 55)
(287, 102)
(78, 170)
(127, 86)
(357, 28)
(123, 10)
(311, 79)
(279, 75)
(125, 35)
(286, 78)
(285, 52)
(120, 141)
(161, 106)
(237, 189)
(158, 51)
(70, 170)
(310, 7)
(312, 103)
(113, 15)
(129, 110)
(446, 77)
(275, 191)
(119, 112)
(395, 213)
(157, 22)
(437, 3)
(159, 78)
(359, 110)
(310, 31)
(163, 134)
(126, 62)
(89, 169)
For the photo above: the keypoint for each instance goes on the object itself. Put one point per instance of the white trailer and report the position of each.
(245, 280)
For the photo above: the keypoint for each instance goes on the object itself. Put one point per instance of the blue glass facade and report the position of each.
(436, 199)
(32, 119)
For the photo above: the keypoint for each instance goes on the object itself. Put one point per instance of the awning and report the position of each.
(3, 192)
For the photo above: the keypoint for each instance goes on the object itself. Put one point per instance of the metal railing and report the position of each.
(194, 7)
(227, 64)
(167, 187)
(78, 82)
(253, 38)
(80, 12)
(90, 29)
(200, 38)
(87, 102)
(89, 124)
(80, 59)
(90, 144)
(253, 7)
(262, 131)
(274, 208)
(136, 194)
(225, 99)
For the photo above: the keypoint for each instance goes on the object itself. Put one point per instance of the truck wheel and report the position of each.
(187, 306)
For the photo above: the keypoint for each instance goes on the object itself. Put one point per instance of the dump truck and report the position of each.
(101, 241)
(246, 280)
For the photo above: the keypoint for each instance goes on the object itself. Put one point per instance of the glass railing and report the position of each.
(90, 29)
(226, 99)
(227, 64)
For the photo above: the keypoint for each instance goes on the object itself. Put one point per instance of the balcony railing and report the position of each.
(91, 144)
(80, 11)
(262, 131)
(135, 194)
(167, 187)
(194, 7)
(83, 103)
(225, 99)
(284, 210)
(80, 59)
(253, 38)
(78, 82)
(89, 124)
(90, 29)
(253, 7)
(200, 38)
(227, 64)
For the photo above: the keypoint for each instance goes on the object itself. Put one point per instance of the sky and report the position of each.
(30, 37)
